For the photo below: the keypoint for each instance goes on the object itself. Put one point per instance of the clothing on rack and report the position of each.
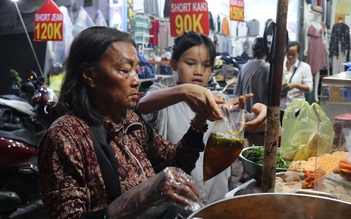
(340, 35)
(142, 26)
(166, 9)
(151, 7)
(238, 47)
(218, 24)
(254, 27)
(153, 31)
(337, 62)
(242, 29)
(222, 43)
(328, 14)
(343, 7)
(210, 18)
(247, 46)
(225, 26)
(163, 34)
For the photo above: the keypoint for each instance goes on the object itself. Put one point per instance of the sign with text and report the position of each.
(48, 23)
(236, 12)
(185, 15)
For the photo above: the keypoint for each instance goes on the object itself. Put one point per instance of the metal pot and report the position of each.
(254, 170)
(275, 205)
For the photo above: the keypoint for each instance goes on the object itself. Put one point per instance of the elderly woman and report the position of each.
(99, 89)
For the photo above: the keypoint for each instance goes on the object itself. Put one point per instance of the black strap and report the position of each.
(294, 72)
(107, 162)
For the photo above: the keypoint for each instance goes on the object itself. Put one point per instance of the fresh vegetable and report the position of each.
(256, 154)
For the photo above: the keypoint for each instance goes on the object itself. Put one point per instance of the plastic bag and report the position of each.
(224, 143)
(305, 132)
(166, 195)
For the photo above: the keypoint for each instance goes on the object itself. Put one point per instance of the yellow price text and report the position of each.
(236, 14)
(48, 31)
(188, 22)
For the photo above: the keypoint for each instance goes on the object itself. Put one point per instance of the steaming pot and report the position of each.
(275, 205)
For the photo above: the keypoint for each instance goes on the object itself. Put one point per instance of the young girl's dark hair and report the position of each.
(190, 39)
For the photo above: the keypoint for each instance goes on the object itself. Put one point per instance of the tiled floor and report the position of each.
(38, 211)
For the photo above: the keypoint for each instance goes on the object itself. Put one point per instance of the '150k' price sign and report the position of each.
(236, 12)
(185, 15)
(48, 23)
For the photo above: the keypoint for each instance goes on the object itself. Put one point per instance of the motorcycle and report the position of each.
(23, 120)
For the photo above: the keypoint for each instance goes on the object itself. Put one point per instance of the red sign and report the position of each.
(48, 23)
(236, 12)
(185, 15)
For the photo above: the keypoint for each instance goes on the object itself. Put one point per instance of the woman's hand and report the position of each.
(259, 121)
(171, 186)
(289, 86)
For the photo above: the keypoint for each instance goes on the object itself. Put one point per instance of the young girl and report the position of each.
(169, 109)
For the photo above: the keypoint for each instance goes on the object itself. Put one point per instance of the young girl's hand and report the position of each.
(258, 123)
(202, 101)
(239, 102)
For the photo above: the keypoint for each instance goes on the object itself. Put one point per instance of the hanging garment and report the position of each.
(83, 21)
(225, 26)
(218, 24)
(166, 9)
(153, 31)
(163, 34)
(99, 19)
(254, 27)
(337, 62)
(247, 46)
(151, 7)
(142, 26)
(340, 35)
(343, 7)
(238, 47)
(316, 56)
(210, 19)
(242, 29)
(57, 51)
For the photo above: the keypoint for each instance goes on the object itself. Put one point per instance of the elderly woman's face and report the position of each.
(116, 82)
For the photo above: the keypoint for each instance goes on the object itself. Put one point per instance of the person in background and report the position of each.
(254, 78)
(99, 89)
(298, 76)
(168, 108)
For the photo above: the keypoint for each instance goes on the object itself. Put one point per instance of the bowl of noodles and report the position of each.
(252, 161)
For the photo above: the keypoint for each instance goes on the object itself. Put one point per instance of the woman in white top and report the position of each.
(298, 76)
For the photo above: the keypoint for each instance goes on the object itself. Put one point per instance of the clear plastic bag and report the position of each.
(225, 142)
(305, 133)
(166, 195)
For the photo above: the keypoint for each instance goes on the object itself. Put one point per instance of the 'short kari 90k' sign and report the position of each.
(185, 15)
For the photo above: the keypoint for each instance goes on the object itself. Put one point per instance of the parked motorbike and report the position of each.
(23, 120)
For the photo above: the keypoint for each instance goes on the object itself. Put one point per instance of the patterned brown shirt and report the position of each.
(70, 177)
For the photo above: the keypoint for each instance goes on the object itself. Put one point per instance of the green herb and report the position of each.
(256, 155)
